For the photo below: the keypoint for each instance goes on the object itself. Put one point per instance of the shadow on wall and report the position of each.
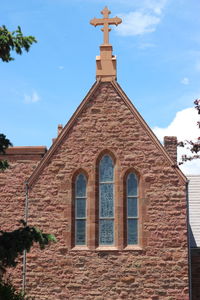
(193, 243)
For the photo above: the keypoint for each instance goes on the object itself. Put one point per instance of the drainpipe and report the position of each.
(24, 254)
(189, 249)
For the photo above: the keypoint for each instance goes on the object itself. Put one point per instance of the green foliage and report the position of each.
(4, 144)
(12, 244)
(3, 165)
(8, 292)
(13, 41)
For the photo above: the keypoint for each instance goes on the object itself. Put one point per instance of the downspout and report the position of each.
(24, 254)
(189, 250)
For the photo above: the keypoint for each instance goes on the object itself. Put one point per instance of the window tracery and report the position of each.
(106, 201)
(80, 209)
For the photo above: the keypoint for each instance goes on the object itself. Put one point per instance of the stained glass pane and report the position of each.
(106, 169)
(132, 207)
(81, 186)
(106, 200)
(132, 185)
(106, 232)
(80, 208)
(80, 232)
(132, 232)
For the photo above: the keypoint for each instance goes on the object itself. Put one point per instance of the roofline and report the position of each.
(63, 133)
(70, 123)
(25, 150)
(148, 130)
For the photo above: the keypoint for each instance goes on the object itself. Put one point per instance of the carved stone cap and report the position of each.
(106, 62)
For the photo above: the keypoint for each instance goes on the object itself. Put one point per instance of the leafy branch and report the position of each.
(12, 244)
(9, 292)
(4, 144)
(13, 41)
(192, 146)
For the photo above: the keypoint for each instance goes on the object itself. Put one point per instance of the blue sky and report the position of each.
(158, 63)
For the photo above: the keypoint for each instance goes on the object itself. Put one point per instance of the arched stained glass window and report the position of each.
(80, 210)
(132, 209)
(106, 201)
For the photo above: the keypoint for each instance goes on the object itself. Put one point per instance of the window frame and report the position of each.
(120, 232)
(71, 213)
(127, 218)
(99, 201)
(141, 208)
(76, 218)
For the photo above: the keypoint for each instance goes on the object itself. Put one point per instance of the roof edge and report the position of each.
(79, 109)
(61, 136)
(26, 150)
(148, 130)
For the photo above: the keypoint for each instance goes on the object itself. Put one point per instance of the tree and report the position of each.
(4, 144)
(13, 41)
(192, 146)
(14, 243)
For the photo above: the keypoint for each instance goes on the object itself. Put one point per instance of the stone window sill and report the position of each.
(132, 248)
(107, 248)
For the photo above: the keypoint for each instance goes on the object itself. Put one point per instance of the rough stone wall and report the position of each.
(170, 144)
(12, 194)
(158, 269)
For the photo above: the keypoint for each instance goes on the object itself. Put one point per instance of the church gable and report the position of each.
(106, 124)
(107, 128)
(114, 199)
(104, 115)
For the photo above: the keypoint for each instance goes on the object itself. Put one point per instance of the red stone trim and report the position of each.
(72, 221)
(141, 209)
(107, 248)
(62, 135)
(35, 153)
(26, 150)
(148, 130)
(116, 200)
(67, 127)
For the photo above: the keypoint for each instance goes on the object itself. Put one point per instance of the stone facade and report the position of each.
(22, 161)
(156, 268)
(170, 144)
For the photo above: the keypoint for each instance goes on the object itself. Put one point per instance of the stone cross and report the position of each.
(106, 21)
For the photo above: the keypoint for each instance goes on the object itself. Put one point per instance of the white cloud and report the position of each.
(137, 23)
(184, 127)
(61, 67)
(156, 6)
(144, 19)
(33, 98)
(185, 81)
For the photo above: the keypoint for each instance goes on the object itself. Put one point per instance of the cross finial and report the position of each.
(106, 21)
(106, 12)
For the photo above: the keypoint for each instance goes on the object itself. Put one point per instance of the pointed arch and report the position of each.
(106, 198)
(79, 209)
(131, 207)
